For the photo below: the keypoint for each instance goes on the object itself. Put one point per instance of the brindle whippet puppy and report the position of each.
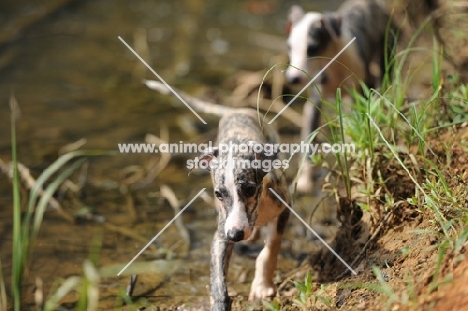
(244, 200)
(315, 38)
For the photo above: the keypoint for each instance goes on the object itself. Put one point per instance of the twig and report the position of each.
(278, 105)
(371, 239)
(73, 146)
(128, 233)
(130, 207)
(264, 104)
(245, 92)
(131, 174)
(168, 194)
(38, 294)
(142, 178)
(131, 285)
(164, 159)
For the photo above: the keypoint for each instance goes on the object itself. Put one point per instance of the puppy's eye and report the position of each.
(219, 195)
(249, 190)
(312, 50)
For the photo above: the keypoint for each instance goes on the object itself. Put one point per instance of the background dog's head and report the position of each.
(310, 35)
(237, 187)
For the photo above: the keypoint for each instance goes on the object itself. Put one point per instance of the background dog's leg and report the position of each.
(262, 285)
(310, 122)
(221, 251)
(311, 118)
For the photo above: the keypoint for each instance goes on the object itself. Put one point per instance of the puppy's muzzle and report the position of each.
(236, 227)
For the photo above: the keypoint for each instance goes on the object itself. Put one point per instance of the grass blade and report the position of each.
(54, 167)
(69, 285)
(339, 104)
(39, 213)
(18, 256)
(3, 297)
(48, 172)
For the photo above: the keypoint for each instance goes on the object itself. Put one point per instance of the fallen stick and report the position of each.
(169, 195)
(129, 233)
(131, 285)
(264, 104)
(141, 177)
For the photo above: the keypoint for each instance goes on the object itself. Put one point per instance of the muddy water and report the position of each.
(74, 79)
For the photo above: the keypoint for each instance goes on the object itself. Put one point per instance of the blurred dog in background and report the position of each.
(315, 38)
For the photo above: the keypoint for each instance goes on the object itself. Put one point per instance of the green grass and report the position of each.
(18, 258)
(308, 299)
(271, 306)
(387, 127)
(3, 296)
(25, 230)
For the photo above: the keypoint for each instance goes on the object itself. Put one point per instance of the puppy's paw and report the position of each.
(261, 289)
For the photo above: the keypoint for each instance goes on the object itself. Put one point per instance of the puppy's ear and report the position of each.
(295, 14)
(209, 155)
(332, 23)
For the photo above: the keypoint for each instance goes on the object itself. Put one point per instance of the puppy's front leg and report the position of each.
(221, 251)
(275, 214)
(265, 266)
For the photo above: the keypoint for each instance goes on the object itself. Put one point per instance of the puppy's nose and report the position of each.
(235, 235)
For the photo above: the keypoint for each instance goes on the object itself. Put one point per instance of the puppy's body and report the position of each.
(244, 201)
(316, 38)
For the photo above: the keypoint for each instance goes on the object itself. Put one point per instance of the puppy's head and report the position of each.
(310, 35)
(237, 183)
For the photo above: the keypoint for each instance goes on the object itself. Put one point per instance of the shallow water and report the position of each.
(74, 79)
